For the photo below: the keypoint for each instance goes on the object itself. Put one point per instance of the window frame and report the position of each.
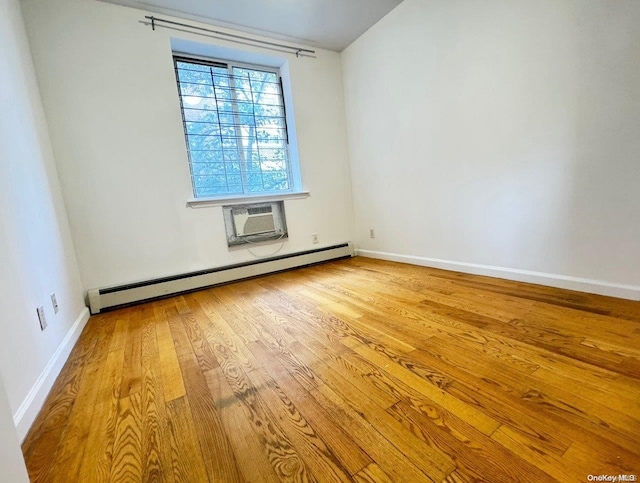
(294, 190)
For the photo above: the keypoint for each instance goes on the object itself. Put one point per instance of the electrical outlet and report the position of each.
(54, 302)
(314, 238)
(41, 317)
(372, 233)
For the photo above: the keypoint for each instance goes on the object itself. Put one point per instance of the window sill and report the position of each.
(205, 202)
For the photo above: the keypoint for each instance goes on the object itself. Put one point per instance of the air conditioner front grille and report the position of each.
(259, 224)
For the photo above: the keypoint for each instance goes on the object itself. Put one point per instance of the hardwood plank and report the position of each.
(532, 452)
(475, 455)
(372, 474)
(431, 461)
(156, 457)
(98, 454)
(386, 455)
(336, 374)
(181, 305)
(545, 402)
(218, 331)
(627, 396)
(41, 453)
(521, 330)
(181, 343)
(169, 366)
(127, 447)
(351, 456)
(119, 339)
(320, 459)
(590, 303)
(285, 460)
(220, 461)
(602, 459)
(564, 408)
(368, 330)
(318, 298)
(252, 457)
(132, 372)
(187, 461)
(236, 314)
(465, 411)
(298, 368)
(199, 343)
(236, 308)
(70, 451)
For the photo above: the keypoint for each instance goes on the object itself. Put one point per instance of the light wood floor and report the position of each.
(354, 370)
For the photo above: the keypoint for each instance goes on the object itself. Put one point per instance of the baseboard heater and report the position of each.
(112, 297)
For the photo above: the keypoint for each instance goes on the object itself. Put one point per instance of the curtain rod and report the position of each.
(300, 52)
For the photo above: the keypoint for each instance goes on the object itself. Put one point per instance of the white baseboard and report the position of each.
(631, 292)
(28, 410)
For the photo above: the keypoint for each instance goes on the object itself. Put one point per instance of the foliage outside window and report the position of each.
(235, 127)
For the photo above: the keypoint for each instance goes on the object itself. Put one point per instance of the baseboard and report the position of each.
(631, 292)
(30, 407)
(113, 297)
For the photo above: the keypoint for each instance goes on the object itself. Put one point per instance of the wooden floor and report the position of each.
(354, 370)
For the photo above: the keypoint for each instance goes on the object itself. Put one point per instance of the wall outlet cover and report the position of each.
(54, 303)
(41, 317)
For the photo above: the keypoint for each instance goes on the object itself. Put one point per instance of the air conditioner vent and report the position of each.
(258, 224)
(259, 209)
(248, 223)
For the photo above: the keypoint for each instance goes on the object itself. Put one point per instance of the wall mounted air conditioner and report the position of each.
(256, 220)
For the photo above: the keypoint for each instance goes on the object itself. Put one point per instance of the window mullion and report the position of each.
(215, 97)
(186, 132)
(255, 130)
(238, 139)
(285, 141)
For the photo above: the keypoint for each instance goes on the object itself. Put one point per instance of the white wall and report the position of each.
(110, 97)
(11, 460)
(36, 252)
(501, 133)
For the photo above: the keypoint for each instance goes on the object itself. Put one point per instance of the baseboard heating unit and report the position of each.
(112, 297)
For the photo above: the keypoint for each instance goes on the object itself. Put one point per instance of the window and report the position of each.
(235, 126)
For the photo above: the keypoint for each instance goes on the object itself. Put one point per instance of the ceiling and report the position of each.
(329, 24)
